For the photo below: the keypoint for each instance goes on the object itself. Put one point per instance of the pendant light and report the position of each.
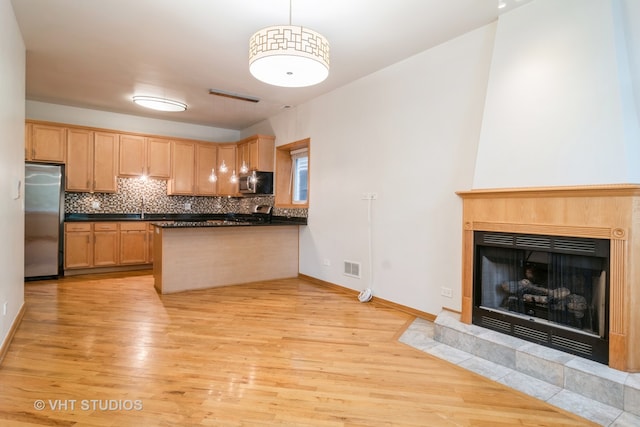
(289, 55)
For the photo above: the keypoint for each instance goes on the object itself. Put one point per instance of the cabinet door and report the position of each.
(243, 157)
(158, 158)
(262, 153)
(183, 165)
(134, 248)
(105, 162)
(206, 156)
(48, 143)
(79, 167)
(27, 141)
(150, 230)
(131, 160)
(78, 245)
(227, 154)
(105, 244)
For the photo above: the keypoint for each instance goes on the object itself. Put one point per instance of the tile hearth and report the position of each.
(586, 388)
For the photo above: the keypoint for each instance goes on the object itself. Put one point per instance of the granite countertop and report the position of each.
(187, 220)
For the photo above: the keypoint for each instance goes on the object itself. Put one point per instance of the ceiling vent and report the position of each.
(237, 96)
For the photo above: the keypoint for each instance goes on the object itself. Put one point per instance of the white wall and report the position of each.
(560, 106)
(408, 133)
(123, 122)
(12, 88)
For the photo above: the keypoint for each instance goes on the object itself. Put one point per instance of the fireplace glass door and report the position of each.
(546, 289)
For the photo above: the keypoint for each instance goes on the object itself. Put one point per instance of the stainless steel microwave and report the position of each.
(256, 182)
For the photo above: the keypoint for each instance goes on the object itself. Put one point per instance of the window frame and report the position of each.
(284, 174)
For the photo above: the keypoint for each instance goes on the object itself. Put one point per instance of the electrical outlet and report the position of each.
(326, 263)
(187, 206)
(95, 204)
(446, 292)
(369, 196)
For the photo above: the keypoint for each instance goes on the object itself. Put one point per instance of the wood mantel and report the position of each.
(597, 211)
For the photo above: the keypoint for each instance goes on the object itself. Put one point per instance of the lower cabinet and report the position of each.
(106, 244)
(134, 247)
(78, 245)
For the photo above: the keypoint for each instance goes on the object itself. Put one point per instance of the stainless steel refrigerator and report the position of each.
(44, 215)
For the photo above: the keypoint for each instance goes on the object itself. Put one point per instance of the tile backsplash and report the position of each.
(135, 194)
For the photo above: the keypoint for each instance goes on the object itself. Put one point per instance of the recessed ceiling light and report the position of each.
(501, 5)
(160, 104)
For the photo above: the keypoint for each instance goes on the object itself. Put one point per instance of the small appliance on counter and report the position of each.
(256, 182)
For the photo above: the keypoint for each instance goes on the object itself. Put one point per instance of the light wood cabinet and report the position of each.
(134, 247)
(206, 164)
(183, 169)
(227, 155)
(105, 162)
(257, 152)
(27, 141)
(105, 244)
(140, 155)
(78, 245)
(46, 143)
(92, 159)
(150, 230)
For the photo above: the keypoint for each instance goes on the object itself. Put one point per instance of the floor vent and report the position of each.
(352, 269)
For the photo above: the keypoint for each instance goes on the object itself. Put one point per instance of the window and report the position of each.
(299, 175)
(292, 174)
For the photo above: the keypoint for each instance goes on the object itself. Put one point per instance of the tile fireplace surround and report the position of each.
(603, 212)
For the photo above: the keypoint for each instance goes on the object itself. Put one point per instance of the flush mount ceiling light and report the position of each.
(289, 55)
(160, 104)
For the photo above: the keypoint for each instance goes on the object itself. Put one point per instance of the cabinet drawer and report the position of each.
(133, 226)
(105, 226)
(77, 226)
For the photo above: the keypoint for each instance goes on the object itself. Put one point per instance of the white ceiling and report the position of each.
(98, 54)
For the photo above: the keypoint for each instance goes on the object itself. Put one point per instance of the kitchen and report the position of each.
(118, 185)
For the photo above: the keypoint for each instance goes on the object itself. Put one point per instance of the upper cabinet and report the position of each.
(92, 161)
(140, 155)
(206, 168)
(256, 153)
(182, 179)
(227, 157)
(45, 143)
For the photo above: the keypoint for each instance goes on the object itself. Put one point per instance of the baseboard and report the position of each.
(117, 269)
(375, 300)
(12, 331)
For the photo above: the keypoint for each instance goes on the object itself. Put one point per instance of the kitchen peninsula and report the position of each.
(207, 254)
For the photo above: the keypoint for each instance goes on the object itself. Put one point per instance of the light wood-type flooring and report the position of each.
(107, 350)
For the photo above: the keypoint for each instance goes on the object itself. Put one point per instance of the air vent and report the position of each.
(352, 269)
(498, 239)
(531, 334)
(587, 246)
(496, 324)
(538, 242)
(239, 97)
(572, 345)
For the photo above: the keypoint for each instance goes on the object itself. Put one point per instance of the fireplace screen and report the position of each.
(546, 289)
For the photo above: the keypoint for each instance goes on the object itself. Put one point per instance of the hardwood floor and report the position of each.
(107, 350)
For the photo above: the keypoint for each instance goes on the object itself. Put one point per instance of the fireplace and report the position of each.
(551, 290)
(603, 217)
